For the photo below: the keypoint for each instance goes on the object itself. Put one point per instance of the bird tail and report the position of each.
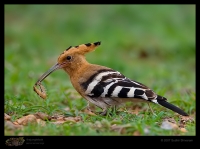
(162, 101)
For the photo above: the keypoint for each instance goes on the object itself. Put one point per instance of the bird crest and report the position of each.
(80, 49)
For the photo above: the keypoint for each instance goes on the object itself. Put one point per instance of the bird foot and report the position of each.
(104, 113)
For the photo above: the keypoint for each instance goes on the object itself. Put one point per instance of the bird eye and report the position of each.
(69, 58)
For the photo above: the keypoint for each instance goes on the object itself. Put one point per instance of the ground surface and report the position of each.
(153, 44)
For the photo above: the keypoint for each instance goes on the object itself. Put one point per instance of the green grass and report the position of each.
(153, 44)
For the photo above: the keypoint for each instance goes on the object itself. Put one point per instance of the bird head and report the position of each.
(71, 58)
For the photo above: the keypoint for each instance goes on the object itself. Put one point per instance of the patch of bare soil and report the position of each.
(38, 118)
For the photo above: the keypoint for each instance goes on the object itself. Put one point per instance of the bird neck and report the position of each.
(76, 67)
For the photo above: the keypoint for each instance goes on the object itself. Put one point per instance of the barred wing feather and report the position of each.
(114, 84)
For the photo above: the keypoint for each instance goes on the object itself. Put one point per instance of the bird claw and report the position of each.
(104, 113)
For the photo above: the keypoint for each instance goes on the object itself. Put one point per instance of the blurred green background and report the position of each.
(137, 40)
(152, 44)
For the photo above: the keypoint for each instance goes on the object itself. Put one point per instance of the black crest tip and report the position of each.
(88, 44)
(68, 48)
(97, 43)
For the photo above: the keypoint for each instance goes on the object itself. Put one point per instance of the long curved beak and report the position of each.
(52, 69)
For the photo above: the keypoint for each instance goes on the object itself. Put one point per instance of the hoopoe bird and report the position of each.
(100, 85)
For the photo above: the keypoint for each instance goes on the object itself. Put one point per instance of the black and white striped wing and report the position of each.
(113, 84)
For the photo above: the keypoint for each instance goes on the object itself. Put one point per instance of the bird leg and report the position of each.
(88, 107)
(151, 109)
(104, 112)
